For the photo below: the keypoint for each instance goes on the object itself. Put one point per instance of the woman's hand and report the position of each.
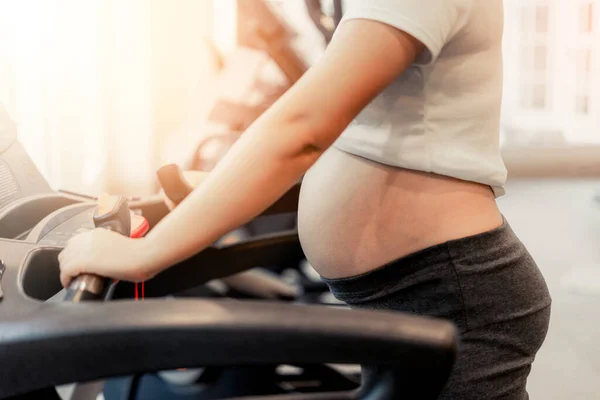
(107, 254)
(194, 178)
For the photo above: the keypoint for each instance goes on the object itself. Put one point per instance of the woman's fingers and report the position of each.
(65, 279)
(70, 262)
(68, 270)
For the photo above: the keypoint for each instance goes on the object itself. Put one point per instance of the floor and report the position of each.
(560, 224)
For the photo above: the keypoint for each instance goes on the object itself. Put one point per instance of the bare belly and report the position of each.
(356, 215)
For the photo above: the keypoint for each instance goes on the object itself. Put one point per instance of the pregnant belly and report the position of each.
(356, 215)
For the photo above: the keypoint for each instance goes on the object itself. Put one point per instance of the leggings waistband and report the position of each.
(472, 281)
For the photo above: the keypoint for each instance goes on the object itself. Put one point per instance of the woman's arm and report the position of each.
(286, 141)
(272, 155)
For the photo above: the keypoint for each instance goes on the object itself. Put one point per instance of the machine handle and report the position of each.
(413, 355)
(173, 183)
(2, 269)
(111, 213)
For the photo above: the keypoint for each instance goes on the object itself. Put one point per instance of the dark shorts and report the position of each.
(492, 290)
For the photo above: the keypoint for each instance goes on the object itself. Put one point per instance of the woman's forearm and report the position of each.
(257, 171)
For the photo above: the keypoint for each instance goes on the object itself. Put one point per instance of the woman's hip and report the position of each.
(489, 286)
(474, 281)
(492, 290)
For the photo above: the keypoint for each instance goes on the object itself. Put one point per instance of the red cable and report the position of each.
(138, 232)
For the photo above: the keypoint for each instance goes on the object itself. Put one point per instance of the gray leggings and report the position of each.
(492, 290)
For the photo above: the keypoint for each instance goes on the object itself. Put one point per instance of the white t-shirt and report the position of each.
(443, 114)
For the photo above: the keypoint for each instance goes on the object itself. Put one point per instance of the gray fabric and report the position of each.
(489, 286)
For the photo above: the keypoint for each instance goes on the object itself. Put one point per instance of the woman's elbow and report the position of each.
(312, 133)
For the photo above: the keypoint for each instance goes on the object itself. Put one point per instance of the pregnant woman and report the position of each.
(396, 132)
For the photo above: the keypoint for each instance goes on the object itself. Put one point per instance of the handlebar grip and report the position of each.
(112, 213)
(86, 288)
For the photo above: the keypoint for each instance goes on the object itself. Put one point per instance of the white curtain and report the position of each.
(98, 88)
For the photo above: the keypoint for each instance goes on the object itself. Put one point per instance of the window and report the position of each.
(534, 59)
(534, 63)
(542, 19)
(534, 97)
(526, 62)
(525, 19)
(586, 18)
(540, 59)
(525, 96)
(552, 77)
(583, 81)
(586, 62)
(539, 97)
(535, 19)
(582, 104)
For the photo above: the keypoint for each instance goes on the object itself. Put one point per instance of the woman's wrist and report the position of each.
(150, 258)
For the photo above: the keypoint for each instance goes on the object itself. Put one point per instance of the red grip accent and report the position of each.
(139, 227)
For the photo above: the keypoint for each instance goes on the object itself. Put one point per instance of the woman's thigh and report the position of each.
(494, 361)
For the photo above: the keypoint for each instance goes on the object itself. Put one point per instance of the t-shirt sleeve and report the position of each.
(432, 22)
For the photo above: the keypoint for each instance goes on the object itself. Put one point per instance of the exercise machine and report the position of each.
(259, 29)
(26, 198)
(44, 344)
(47, 343)
(31, 212)
(325, 24)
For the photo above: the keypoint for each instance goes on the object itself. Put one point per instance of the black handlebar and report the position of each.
(93, 340)
(2, 269)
